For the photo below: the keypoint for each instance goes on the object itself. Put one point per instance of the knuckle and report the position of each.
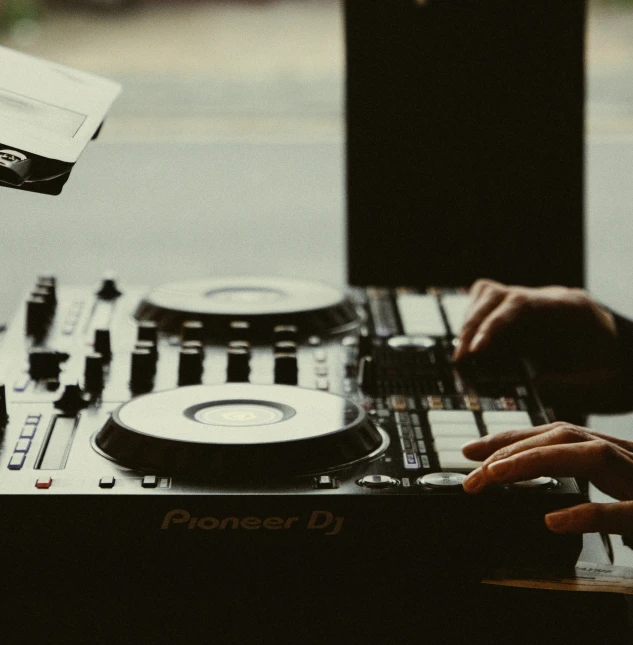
(505, 451)
(567, 433)
(518, 299)
(478, 284)
(604, 452)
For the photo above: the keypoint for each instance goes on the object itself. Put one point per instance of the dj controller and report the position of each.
(261, 411)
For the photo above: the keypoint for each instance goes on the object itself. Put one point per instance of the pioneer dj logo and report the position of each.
(317, 521)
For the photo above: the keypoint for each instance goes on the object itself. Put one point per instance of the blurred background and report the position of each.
(254, 69)
(232, 119)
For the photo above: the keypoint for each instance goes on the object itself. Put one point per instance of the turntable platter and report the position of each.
(239, 430)
(315, 309)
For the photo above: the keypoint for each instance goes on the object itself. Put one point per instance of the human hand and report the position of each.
(561, 450)
(556, 326)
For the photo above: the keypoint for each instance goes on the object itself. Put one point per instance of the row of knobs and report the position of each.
(44, 364)
(42, 303)
(144, 357)
(191, 355)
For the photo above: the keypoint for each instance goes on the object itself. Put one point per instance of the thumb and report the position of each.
(616, 518)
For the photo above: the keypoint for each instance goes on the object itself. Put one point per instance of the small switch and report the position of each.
(44, 482)
(107, 482)
(325, 482)
(149, 481)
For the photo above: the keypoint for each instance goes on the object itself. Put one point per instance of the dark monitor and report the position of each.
(465, 141)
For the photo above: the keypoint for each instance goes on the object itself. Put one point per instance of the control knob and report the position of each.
(285, 332)
(44, 364)
(93, 372)
(191, 330)
(108, 289)
(37, 316)
(72, 400)
(147, 330)
(190, 366)
(240, 330)
(286, 368)
(142, 372)
(102, 344)
(238, 366)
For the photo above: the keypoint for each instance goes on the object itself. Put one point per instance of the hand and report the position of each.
(558, 326)
(561, 450)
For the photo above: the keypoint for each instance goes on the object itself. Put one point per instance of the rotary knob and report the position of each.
(286, 369)
(102, 344)
(72, 400)
(240, 330)
(93, 372)
(285, 332)
(286, 347)
(191, 330)
(238, 367)
(49, 286)
(149, 345)
(190, 366)
(108, 289)
(147, 330)
(44, 364)
(37, 316)
(143, 369)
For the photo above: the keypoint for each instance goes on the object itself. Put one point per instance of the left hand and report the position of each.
(561, 450)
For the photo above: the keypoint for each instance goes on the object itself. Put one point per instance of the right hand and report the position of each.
(564, 331)
(561, 450)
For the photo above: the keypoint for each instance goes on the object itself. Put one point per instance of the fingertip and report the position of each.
(559, 522)
(459, 349)
(474, 482)
(473, 449)
(478, 341)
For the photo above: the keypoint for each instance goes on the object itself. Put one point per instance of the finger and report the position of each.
(481, 449)
(548, 435)
(480, 286)
(615, 518)
(486, 301)
(504, 444)
(604, 463)
(503, 316)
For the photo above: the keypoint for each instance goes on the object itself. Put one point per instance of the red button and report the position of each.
(44, 482)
